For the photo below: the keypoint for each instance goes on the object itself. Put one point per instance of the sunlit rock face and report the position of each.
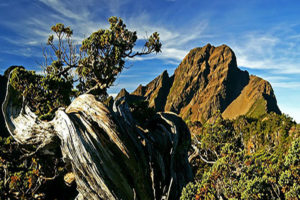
(111, 157)
(206, 81)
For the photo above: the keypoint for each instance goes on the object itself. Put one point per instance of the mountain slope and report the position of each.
(156, 91)
(255, 99)
(208, 80)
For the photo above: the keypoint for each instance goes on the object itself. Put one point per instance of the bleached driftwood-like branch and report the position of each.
(110, 156)
(24, 125)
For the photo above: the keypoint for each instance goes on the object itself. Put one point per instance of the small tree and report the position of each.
(65, 52)
(100, 59)
(105, 54)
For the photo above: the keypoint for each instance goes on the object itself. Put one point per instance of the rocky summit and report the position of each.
(208, 80)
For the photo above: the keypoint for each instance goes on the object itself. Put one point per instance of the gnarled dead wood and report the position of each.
(110, 156)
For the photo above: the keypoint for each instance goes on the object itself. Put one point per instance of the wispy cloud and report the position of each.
(287, 85)
(268, 50)
(79, 15)
(64, 9)
(177, 41)
(26, 52)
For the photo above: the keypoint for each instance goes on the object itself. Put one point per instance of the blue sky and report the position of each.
(264, 34)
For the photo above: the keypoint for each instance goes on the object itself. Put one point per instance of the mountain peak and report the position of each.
(208, 80)
(123, 92)
(156, 91)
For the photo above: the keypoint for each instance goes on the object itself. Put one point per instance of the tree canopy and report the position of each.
(105, 53)
(92, 66)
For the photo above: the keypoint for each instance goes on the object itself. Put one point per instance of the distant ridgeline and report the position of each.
(208, 80)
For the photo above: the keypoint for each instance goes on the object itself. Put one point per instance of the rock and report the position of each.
(122, 93)
(111, 157)
(208, 80)
(156, 91)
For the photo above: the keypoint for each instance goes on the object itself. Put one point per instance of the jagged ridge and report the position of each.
(208, 80)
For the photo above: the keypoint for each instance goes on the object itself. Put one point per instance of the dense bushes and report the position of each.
(253, 159)
(31, 176)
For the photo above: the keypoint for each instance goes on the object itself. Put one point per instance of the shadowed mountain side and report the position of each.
(156, 91)
(256, 99)
(208, 80)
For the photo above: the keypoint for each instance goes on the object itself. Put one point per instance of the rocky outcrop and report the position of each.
(156, 91)
(208, 80)
(111, 157)
(123, 92)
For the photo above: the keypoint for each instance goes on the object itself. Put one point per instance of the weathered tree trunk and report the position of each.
(3, 83)
(111, 157)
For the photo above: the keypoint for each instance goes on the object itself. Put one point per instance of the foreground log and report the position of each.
(111, 157)
(3, 83)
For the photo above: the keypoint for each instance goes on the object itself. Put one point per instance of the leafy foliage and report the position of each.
(190, 190)
(43, 94)
(290, 178)
(106, 51)
(268, 169)
(29, 177)
(100, 59)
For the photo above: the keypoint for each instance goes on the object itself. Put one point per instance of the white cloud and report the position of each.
(274, 78)
(288, 85)
(172, 55)
(26, 52)
(269, 51)
(176, 41)
(64, 8)
(113, 95)
(176, 54)
(84, 20)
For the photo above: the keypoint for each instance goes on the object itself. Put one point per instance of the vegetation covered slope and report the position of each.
(246, 158)
(208, 80)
